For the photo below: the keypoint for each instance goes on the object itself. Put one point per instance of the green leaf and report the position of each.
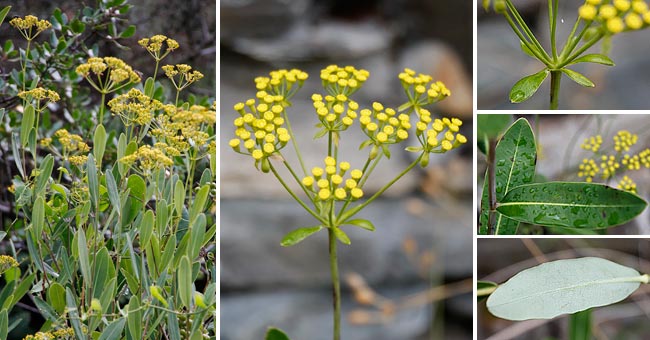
(342, 236)
(275, 334)
(113, 194)
(197, 233)
(149, 87)
(114, 330)
(580, 325)
(484, 289)
(594, 58)
(491, 125)
(185, 281)
(578, 78)
(77, 26)
(137, 188)
(99, 144)
(199, 203)
(56, 297)
(146, 228)
(84, 260)
(128, 32)
(17, 156)
(93, 182)
(298, 235)
(134, 321)
(179, 197)
(26, 124)
(4, 321)
(515, 156)
(38, 217)
(573, 205)
(361, 223)
(3, 15)
(527, 86)
(121, 152)
(45, 171)
(563, 287)
(73, 314)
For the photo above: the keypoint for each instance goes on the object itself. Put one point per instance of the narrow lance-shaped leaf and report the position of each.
(515, 158)
(572, 205)
(99, 144)
(185, 281)
(594, 58)
(578, 78)
(298, 235)
(26, 124)
(563, 287)
(114, 330)
(3, 15)
(93, 182)
(38, 217)
(527, 86)
(45, 171)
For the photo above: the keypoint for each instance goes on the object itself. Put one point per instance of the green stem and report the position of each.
(366, 175)
(348, 214)
(295, 176)
(528, 44)
(178, 92)
(572, 40)
(155, 72)
(552, 8)
(296, 198)
(336, 292)
(527, 30)
(492, 197)
(29, 42)
(294, 143)
(101, 108)
(556, 77)
(583, 48)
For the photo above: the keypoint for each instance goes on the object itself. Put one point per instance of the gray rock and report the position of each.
(251, 255)
(307, 314)
(260, 18)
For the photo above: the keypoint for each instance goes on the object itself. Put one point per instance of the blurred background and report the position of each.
(500, 259)
(501, 63)
(424, 234)
(559, 155)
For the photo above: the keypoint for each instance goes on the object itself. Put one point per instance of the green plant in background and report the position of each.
(332, 192)
(510, 195)
(596, 20)
(119, 230)
(572, 286)
(606, 166)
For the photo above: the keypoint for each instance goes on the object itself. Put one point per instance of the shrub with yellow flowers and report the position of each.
(596, 21)
(606, 166)
(114, 212)
(333, 192)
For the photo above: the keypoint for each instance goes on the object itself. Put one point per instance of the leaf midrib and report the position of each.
(634, 279)
(571, 204)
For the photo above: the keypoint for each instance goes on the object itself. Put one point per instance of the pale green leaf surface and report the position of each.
(562, 287)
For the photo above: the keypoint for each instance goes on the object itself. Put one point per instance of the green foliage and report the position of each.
(515, 198)
(275, 334)
(118, 227)
(563, 287)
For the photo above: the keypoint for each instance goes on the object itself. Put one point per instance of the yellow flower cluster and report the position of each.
(187, 75)
(439, 135)
(588, 169)
(39, 94)
(624, 139)
(148, 159)
(330, 184)
(78, 160)
(592, 143)
(330, 111)
(71, 142)
(27, 24)
(119, 73)
(421, 90)
(343, 80)
(6, 263)
(58, 334)
(617, 15)
(260, 129)
(134, 107)
(183, 129)
(627, 184)
(608, 165)
(282, 82)
(154, 45)
(383, 125)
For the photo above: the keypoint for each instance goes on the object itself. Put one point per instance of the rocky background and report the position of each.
(424, 223)
(501, 63)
